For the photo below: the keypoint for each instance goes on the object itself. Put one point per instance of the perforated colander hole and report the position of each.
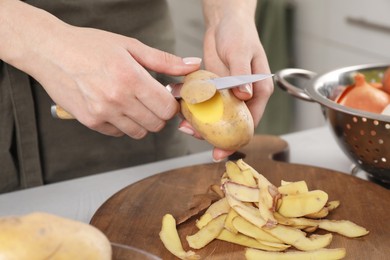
(383, 159)
(376, 122)
(348, 126)
(377, 150)
(364, 119)
(375, 161)
(380, 141)
(373, 133)
(361, 132)
(387, 126)
(354, 119)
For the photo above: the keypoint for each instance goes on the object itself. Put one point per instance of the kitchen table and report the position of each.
(80, 198)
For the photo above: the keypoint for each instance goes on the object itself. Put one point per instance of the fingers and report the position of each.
(152, 95)
(186, 128)
(136, 123)
(212, 60)
(161, 61)
(219, 155)
(262, 90)
(108, 129)
(240, 66)
(140, 106)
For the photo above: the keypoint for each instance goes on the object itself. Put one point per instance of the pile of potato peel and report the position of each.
(271, 222)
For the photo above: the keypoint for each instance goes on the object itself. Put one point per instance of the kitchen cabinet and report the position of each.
(337, 33)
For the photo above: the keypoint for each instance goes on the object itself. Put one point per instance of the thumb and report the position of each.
(240, 66)
(161, 61)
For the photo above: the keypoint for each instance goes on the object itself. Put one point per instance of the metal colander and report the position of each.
(364, 137)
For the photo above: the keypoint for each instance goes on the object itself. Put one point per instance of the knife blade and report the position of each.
(174, 89)
(234, 81)
(223, 82)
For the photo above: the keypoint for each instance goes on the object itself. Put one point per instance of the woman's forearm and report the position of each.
(23, 29)
(214, 10)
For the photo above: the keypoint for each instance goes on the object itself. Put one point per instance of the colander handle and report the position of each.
(280, 79)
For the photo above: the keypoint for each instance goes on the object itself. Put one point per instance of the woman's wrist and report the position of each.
(216, 10)
(24, 31)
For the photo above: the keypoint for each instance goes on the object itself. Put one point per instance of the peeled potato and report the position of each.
(45, 236)
(223, 120)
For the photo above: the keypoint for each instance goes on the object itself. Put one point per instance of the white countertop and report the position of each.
(79, 198)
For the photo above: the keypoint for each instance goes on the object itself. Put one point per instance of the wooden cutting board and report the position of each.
(133, 215)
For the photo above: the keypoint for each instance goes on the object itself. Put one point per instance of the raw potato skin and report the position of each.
(234, 129)
(45, 236)
(320, 254)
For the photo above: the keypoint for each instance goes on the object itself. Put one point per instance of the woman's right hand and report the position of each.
(99, 77)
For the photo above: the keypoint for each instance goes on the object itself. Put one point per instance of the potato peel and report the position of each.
(321, 254)
(207, 233)
(278, 221)
(171, 239)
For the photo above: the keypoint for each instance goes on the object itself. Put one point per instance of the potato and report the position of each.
(45, 236)
(223, 120)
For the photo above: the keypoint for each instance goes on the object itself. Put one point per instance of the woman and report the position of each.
(104, 62)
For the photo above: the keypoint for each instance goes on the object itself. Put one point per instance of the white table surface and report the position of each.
(80, 198)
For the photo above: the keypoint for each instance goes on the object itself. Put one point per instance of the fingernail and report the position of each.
(186, 130)
(192, 60)
(217, 160)
(247, 88)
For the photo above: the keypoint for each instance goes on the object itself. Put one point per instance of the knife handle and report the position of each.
(59, 112)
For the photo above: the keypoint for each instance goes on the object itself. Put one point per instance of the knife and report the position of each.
(174, 88)
(222, 83)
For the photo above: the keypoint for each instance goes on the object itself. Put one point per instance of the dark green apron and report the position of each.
(36, 149)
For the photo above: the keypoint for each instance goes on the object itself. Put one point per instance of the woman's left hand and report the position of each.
(232, 47)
